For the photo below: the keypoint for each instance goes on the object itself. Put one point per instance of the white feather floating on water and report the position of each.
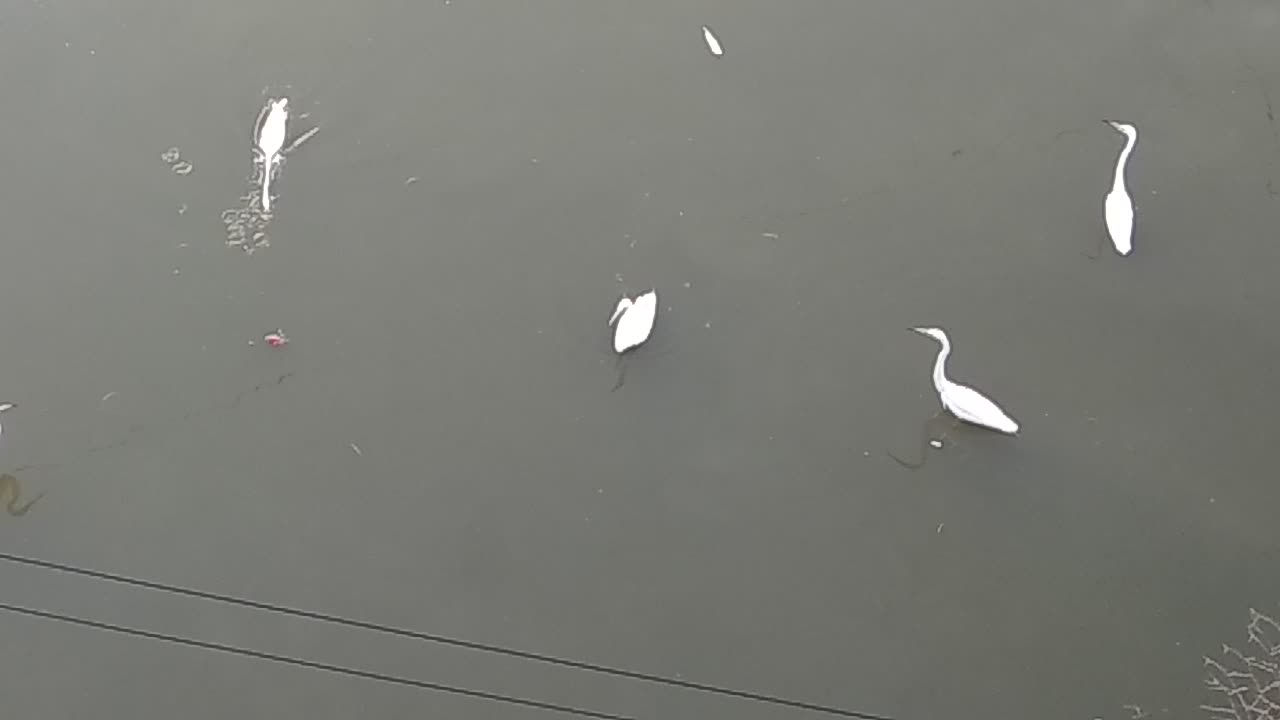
(634, 320)
(270, 140)
(713, 43)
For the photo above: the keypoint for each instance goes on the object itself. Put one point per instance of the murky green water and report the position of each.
(438, 448)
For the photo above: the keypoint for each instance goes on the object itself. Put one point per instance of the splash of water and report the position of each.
(246, 225)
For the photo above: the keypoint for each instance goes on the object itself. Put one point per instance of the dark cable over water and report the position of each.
(312, 665)
(446, 640)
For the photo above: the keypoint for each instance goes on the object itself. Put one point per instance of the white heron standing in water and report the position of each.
(632, 323)
(1118, 207)
(270, 140)
(965, 403)
(5, 407)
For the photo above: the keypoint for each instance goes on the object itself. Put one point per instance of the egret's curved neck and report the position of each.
(1130, 141)
(940, 365)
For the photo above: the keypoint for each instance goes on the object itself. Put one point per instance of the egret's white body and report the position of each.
(965, 403)
(713, 43)
(1118, 207)
(3, 408)
(270, 140)
(634, 320)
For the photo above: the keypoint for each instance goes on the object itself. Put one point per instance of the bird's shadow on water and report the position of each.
(622, 373)
(636, 354)
(929, 434)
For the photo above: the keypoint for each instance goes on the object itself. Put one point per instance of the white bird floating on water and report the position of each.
(5, 407)
(1118, 207)
(634, 323)
(965, 403)
(634, 320)
(713, 43)
(270, 140)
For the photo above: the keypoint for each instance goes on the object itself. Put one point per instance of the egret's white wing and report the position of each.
(974, 407)
(646, 308)
(636, 322)
(1119, 214)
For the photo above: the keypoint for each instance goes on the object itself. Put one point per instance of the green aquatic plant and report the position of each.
(1246, 683)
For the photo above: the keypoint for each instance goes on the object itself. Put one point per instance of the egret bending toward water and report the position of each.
(270, 140)
(1118, 207)
(965, 403)
(634, 320)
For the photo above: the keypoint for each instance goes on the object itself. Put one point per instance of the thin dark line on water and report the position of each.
(313, 665)
(134, 430)
(445, 640)
(926, 440)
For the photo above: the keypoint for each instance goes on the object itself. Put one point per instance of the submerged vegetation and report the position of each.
(1245, 684)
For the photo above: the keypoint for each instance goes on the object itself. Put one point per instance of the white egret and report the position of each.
(5, 407)
(1118, 207)
(632, 323)
(270, 140)
(965, 403)
(713, 43)
(634, 320)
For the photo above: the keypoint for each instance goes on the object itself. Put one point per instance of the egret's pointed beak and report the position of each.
(7, 406)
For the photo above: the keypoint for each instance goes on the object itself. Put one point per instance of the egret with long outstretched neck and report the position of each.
(270, 140)
(632, 323)
(965, 403)
(1118, 207)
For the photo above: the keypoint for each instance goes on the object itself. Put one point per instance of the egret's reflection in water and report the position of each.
(11, 488)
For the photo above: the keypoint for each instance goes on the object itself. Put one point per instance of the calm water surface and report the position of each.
(728, 516)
